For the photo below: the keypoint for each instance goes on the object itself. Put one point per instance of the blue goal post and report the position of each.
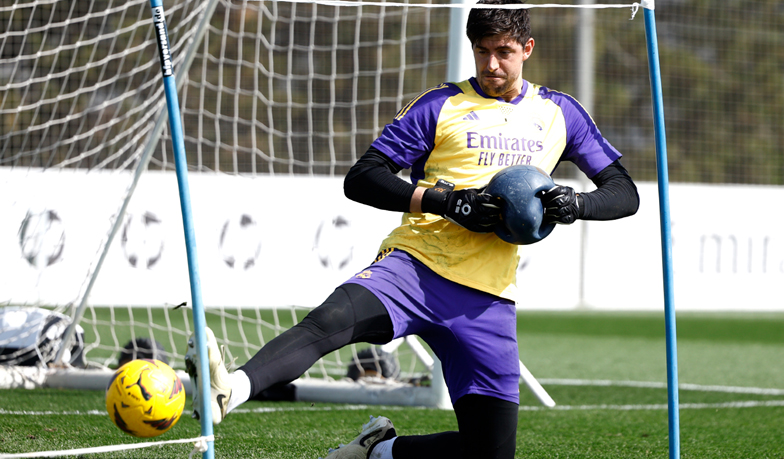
(181, 166)
(666, 236)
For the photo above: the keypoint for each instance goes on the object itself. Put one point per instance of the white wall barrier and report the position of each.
(271, 241)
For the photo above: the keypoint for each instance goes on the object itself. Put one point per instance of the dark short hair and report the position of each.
(486, 22)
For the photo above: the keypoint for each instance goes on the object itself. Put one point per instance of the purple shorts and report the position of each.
(473, 333)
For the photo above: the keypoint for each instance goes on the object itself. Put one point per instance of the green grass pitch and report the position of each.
(606, 371)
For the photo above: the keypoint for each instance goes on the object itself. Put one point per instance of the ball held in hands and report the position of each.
(522, 212)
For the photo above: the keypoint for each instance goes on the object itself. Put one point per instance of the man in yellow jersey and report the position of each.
(443, 274)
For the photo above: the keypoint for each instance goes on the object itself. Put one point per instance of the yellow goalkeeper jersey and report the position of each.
(457, 133)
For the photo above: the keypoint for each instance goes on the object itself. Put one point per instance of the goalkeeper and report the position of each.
(443, 274)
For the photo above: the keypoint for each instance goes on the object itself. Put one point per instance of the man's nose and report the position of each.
(492, 63)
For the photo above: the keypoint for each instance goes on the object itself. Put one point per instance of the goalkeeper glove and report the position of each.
(470, 208)
(561, 205)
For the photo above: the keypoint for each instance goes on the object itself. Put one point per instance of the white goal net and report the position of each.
(274, 96)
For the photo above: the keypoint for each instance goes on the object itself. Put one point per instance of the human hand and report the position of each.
(560, 205)
(473, 210)
(470, 208)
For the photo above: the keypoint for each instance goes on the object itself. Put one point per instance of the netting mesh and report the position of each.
(722, 96)
(79, 86)
(304, 88)
(274, 88)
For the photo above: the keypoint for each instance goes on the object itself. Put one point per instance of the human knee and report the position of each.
(333, 316)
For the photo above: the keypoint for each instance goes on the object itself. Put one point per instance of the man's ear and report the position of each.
(528, 48)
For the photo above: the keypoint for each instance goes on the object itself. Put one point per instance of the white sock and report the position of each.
(383, 450)
(240, 389)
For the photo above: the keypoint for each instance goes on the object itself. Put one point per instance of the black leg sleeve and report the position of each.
(488, 430)
(351, 314)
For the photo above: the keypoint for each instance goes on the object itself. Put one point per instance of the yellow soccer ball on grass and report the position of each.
(145, 398)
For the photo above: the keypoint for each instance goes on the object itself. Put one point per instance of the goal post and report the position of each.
(662, 174)
(202, 385)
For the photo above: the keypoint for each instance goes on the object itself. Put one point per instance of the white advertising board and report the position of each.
(272, 241)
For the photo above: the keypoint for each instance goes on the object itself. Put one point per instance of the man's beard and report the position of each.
(497, 90)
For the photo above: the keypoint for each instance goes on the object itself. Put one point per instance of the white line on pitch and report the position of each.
(660, 385)
(52, 413)
(544, 381)
(658, 406)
